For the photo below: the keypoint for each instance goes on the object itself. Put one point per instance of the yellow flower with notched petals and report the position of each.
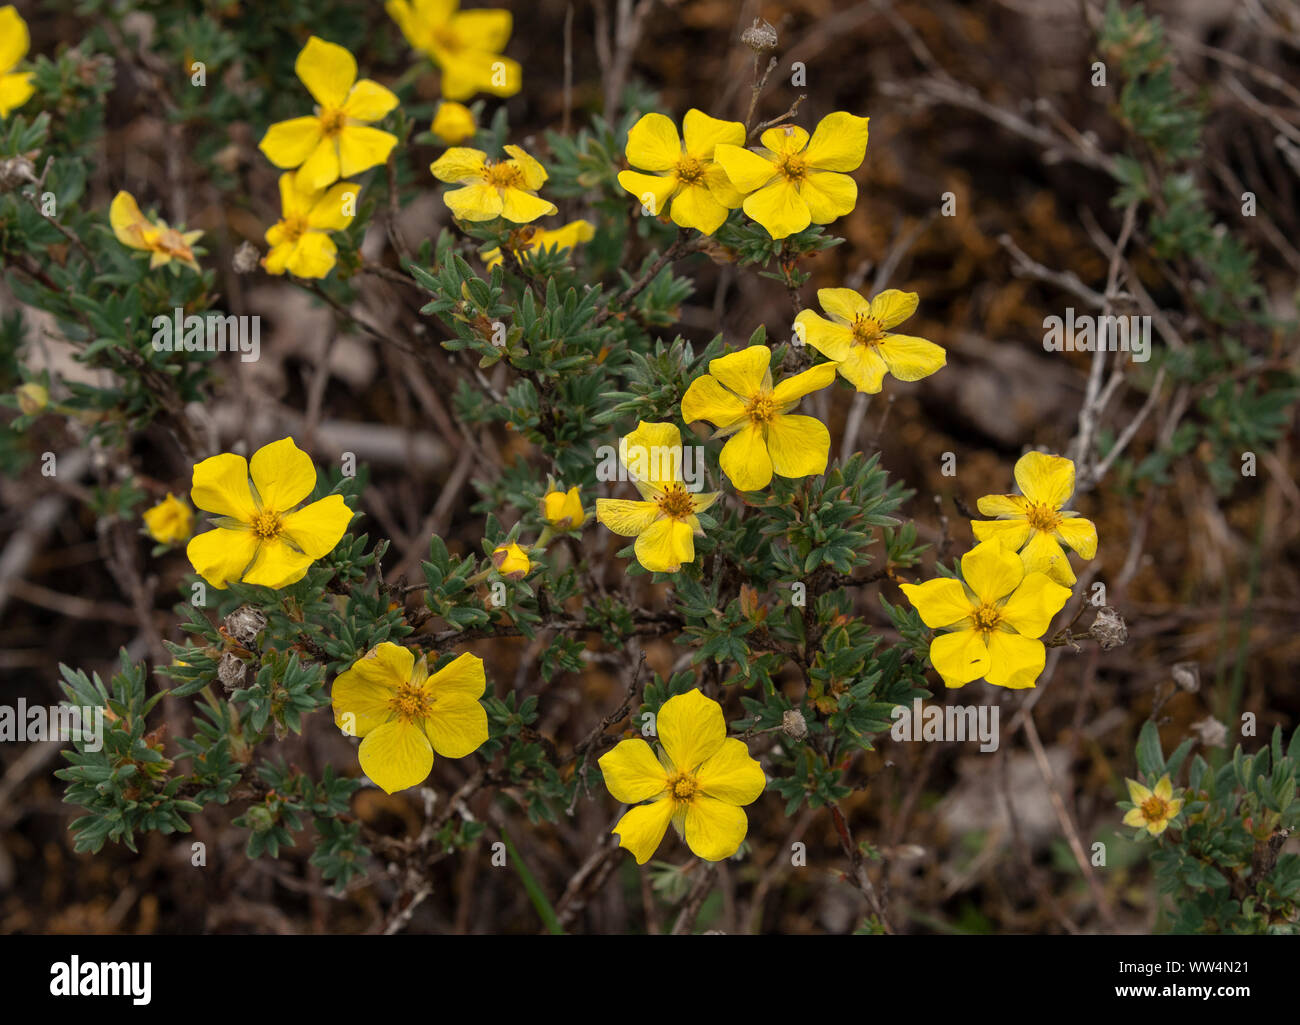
(531, 239)
(737, 396)
(1033, 522)
(1155, 808)
(859, 337)
(685, 174)
(794, 180)
(466, 45)
(15, 86)
(665, 524)
(169, 522)
(337, 140)
(300, 243)
(562, 510)
(700, 783)
(453, 123)
(492, 188)
(136, 231)
(259, 538)
(404, 715)
(992, 620)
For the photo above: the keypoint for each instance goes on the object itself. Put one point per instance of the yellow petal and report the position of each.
(695, 207)
(1002, 505)
(362, 147)
(721, 187)
(891, 307)
(626, 518)
(691, 729)
(779, 208)
(991, 571)
(128, 223)
(665, 545)
(1012, 533)
(959, 657)
(220, 556)
(327, 70)
(312, 256)
(331, 211)
(863, 368)
(321, 167)
(362, 695)
(318, 528)
(1164, 789)
(632, 772)
(489, 29)
(463, 677)
(744, 372)
(730, 774)
(828, 195)
(289, 143)
(652, 191)
(220, 486)
(1043, 555)
(642, 829)
(1079, 534)
(843, 304)
(839, 143)
(459, 164)
(522, 207)
(534, 173)
(396, 755)
(653, 144)
(714, 829)
(1137, 793)
(746, 170)
(792, 389)
(1134, 817)
(277, 566)
(1044, 479)
(652, 454)
(283, 474)
(909, 358)
(830, 339)
(369, 101)
(14, 38)
(15, 90)
(1014, 661)
(785, 139)
(706, 399)
(456, 725)
(745, 460)
(703, 133)
(474, 203)
(799, 446)
(1033, 604)
(940, 602)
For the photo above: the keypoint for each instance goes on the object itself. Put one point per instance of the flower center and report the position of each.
(676, 502)
(504, 175)
(761, 408)
(410, 702)
(267, 525)
(294, 228)
(1042, 517)
(445, 39)
(683, 787)
(867, 330)
(1153, 808)
(690, 171)
(987, 617)
(793, 167)
(332, 122)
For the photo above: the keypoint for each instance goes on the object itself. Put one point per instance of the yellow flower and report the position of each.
(15, 86)
(532, 239)
(1155, 809)
(858, 337)
(738, 398)
(454, 123)
(699, 783)
(170, 522)
(562, 510)
(685, 175)
(404, 715)
(499, 188)
(993, 619)
(135, 230)
(258, 538)
(1033, 522)
(795, 181)
(336, 141)
(665, 523)
(511, 561)
(300, 243)
(466, 45)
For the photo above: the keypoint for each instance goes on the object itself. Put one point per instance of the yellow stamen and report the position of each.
(690, 171)
(683, 788)
(503, 175)
(867, 330)
(332, 122)
(793, 167)
(1154, 809)
(675, 502)
(761, 408)
(987, 617)
(1042, 517)
(294, 228)
(410, 702)
(267, 525)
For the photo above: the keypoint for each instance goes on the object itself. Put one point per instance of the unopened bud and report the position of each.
(32, 398)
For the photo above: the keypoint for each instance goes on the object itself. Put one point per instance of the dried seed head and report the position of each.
(1108, 629)
(231, 671)
(246, 258)
(759, 37)
(1211, 732)
(1187, 675)
(16, 171)
(793, 725)
(244, 624)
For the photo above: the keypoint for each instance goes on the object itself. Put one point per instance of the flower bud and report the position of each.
(511, 561)
(563, 510)
(453, 123)
(33, 398)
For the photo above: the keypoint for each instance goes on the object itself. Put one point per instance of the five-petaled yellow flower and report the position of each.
(794, 180)
(259, 538)
(562, 510)
(404, 715)
(336, 141)
(15, 86)
(466, 45)
(665, 523)
(1033, 522)
(492, 188)
(685, 174)
(169, 522)
(737, 396)
(532, 239)
(700, 782)
(511, 561)
(300, 242)
(993, 619)
(1155, 808)
(859, 337)
(453, 123)
(136, 231)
